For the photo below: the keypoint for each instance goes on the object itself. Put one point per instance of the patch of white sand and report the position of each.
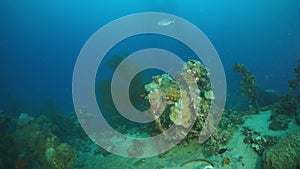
(260, 122)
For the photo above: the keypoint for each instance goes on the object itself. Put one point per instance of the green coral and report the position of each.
(284, 154)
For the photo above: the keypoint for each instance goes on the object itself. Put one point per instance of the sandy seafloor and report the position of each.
(240, 155)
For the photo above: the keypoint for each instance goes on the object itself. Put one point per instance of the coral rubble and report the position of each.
(259, 143)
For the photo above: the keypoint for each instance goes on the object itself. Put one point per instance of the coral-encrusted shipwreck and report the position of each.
(187, 96)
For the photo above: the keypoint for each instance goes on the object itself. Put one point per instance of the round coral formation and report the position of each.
(285, 154)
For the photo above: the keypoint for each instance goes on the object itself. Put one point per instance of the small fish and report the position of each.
(222, 150)
(270, 91)
(165, 22)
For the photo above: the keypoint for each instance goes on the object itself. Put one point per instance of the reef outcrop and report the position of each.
(188, 97)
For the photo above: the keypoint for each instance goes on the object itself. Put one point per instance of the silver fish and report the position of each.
(165, 22)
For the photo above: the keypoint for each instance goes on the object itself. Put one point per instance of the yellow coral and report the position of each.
(172, 94)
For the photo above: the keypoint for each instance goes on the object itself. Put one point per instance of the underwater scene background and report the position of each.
(258, 43)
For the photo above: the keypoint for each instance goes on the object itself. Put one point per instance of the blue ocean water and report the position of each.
(40, 42)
